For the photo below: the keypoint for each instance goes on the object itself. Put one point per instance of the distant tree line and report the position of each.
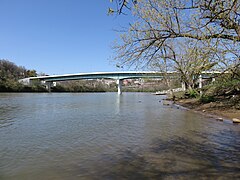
(80, 86)
(10, 73)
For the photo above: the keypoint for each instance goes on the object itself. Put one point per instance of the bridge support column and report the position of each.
(200, 84)
(119, 82)
(200, 81)
(48, 86)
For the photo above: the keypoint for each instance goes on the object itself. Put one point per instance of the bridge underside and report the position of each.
(119, 80)
(119, 77)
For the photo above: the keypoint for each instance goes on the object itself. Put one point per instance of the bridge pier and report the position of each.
(119, 82)
(200, 83)
(49, 85)
(213, 79)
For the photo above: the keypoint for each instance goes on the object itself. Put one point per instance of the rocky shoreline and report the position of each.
(214, 110)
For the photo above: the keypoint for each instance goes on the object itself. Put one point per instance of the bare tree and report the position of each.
(165, 26)
(120, 6)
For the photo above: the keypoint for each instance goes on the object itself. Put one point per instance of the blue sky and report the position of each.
(59, 36)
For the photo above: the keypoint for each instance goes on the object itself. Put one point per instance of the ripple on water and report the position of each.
(7, 115)
(104, 136)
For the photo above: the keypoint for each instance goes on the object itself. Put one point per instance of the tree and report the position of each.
(120, 5)
(223, 14)
(162, 26)
(31, 73)
(10, 73)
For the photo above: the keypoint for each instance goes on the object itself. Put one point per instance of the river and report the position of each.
(106, 136)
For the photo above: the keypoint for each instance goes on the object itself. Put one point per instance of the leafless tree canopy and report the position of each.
(164, 23)
(184, 35)
(121, 5)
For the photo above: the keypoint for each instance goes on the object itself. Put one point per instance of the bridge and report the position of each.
(118, 76)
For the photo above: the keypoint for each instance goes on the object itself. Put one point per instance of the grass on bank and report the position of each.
(225, 94)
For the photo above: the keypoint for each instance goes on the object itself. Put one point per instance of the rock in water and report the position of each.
(236, 120)
(219, 119)
(167, 103)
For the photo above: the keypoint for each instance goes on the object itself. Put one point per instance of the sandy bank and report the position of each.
(213, 109)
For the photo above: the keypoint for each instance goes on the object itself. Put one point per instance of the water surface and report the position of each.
(106, 136)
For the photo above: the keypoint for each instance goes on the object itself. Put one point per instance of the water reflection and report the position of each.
(118, 103)
(179, 158)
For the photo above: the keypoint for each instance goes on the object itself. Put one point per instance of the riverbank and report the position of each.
(217, 110)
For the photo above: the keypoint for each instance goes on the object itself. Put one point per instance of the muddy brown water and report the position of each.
(106, 136)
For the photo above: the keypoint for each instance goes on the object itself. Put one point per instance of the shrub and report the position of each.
(192, 93)
(206, 99)
(220, 88)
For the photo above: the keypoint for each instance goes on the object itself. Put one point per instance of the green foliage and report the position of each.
(31, 73)
(192, 93)
(11, 73)
(110, 11)
(35, 88)
(79, 86)
(206, 99)
(223, 88)
(9, 70)
(180, 95)
(59, 88)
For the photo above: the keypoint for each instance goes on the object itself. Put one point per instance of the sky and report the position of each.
(59, 36)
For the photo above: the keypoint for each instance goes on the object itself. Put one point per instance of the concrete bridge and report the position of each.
(118, 76)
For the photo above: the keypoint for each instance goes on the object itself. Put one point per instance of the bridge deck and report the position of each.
(112, 75)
